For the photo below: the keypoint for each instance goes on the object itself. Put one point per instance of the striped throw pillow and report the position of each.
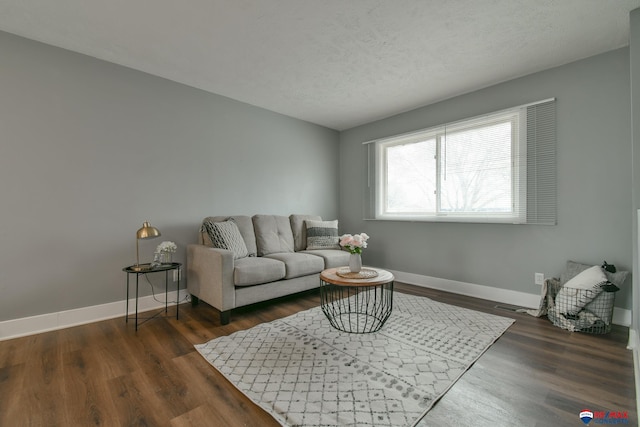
(322, 234)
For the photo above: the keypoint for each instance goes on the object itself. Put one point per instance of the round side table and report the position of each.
(143, 270)
(357, 304)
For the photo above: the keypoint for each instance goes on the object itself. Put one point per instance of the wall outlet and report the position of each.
(176, 275)
(539, 278)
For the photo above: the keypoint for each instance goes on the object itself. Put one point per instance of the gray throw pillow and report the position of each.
(574, 268)
(226, 235)
(299, 229)
(322, 234)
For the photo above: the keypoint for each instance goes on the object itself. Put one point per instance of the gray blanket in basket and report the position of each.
(595, 314)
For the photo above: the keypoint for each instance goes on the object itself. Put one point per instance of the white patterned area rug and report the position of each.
(305, 373)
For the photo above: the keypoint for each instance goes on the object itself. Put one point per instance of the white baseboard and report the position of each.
(621, 316)
(64, 319)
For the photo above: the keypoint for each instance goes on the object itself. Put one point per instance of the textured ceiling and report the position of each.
(337, 63)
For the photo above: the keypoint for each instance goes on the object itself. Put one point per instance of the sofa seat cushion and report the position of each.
(298, 264)
(332, 257)
(256, 270)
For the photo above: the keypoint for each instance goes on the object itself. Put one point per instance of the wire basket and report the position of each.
(583, 310)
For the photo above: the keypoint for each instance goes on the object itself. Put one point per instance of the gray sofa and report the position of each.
(271, 257)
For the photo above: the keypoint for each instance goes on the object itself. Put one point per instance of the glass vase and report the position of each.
(157, 260)
(166, 257)
(355, 263)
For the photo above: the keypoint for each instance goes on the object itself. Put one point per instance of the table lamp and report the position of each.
(146, 232)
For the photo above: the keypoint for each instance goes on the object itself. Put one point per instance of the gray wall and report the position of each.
(594, 185)
(89, 150)
(634, 57)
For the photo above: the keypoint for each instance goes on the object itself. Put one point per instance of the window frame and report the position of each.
(517, 214)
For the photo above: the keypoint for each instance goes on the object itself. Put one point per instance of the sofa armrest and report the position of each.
(210, 276)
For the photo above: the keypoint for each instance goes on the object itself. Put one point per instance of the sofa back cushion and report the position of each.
(273, 234)
(299, 230)
(245, 225)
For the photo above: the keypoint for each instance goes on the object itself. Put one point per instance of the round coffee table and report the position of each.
(357, 304)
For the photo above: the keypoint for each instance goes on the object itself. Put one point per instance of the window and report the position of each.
(495, 168)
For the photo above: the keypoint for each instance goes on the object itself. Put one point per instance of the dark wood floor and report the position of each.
(106, 374)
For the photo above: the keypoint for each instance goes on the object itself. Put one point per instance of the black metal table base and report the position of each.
(357, 309)
(164, 267)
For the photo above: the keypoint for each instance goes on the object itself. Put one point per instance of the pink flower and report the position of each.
(346, 239)
(354, 243)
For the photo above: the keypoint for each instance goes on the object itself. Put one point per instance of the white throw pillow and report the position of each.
(580, 290)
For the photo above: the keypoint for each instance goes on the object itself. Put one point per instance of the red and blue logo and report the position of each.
(604, 417)
(586, 416)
